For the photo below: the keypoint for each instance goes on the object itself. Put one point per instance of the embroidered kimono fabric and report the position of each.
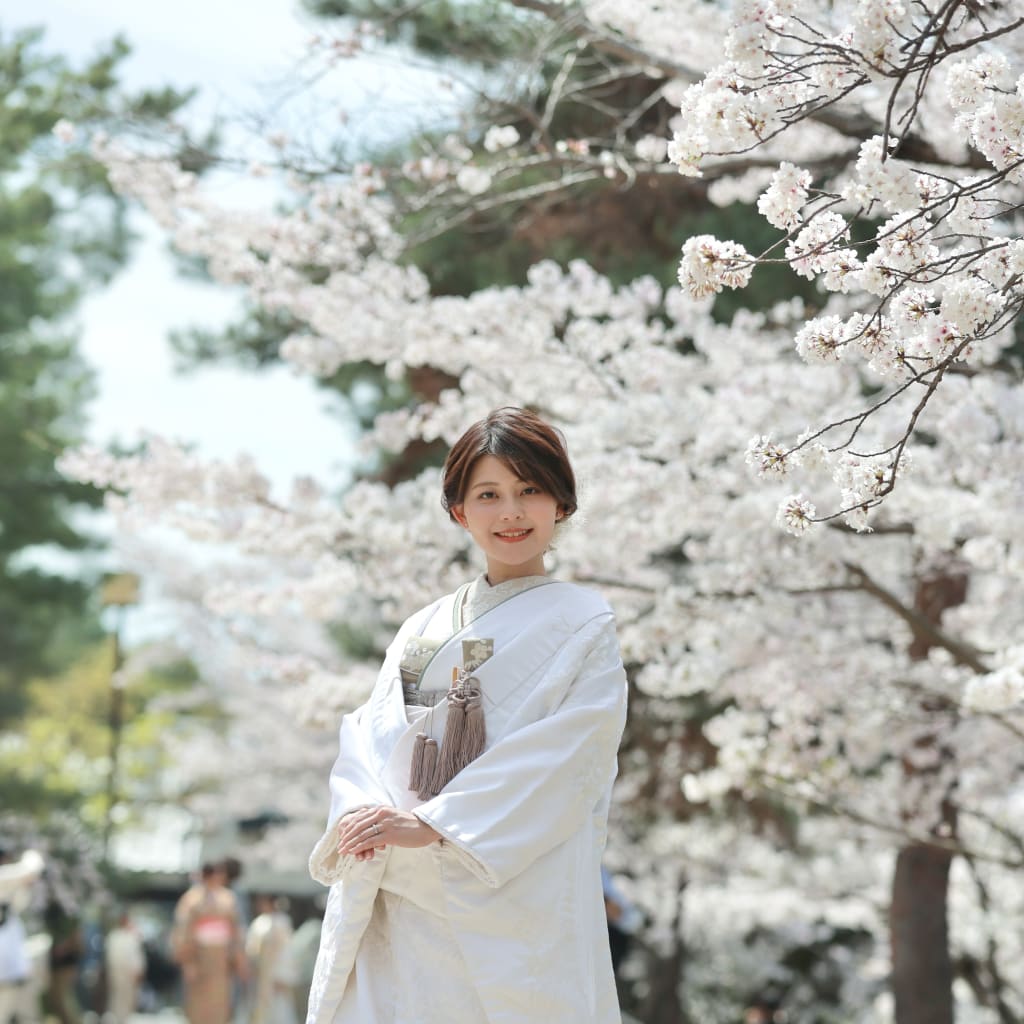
(503, 920)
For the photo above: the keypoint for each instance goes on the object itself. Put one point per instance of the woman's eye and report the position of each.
(484, 495)
(532, 490)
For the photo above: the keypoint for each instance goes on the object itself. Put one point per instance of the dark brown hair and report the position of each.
(531, 448)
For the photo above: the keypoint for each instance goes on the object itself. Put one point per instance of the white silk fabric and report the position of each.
(505, 916)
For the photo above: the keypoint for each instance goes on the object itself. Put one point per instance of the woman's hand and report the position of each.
(362, 832)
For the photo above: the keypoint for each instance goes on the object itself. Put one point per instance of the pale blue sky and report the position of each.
(239, 55)
(227, 50)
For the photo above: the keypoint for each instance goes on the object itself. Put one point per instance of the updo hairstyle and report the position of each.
(532, 449)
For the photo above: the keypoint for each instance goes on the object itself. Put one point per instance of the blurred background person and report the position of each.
(125, 961)
(16, 880)
(233, 871)
(623, 919)
(302, 950)
(30, 995)
(66, 950)
(208, 946)
(272, 968)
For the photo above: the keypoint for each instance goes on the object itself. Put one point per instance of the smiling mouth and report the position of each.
(511, 536)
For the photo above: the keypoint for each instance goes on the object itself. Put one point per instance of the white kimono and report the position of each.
(502, 921)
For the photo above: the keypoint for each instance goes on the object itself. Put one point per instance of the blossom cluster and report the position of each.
(709, 265)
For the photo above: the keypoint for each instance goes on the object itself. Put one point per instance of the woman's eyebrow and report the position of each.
(493, 483)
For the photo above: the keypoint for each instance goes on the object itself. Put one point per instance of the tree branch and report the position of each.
(963, 653)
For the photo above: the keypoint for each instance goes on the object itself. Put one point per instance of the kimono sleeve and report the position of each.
(353, 785)
(536, 787)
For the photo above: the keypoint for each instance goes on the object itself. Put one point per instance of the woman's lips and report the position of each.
(513, 537)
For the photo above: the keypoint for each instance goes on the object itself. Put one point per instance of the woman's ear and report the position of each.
(459, 516)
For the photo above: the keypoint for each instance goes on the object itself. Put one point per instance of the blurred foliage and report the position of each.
(43, 387)
(59, 758)
(62, 232)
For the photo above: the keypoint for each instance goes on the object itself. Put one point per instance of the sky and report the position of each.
(240, 56)
(124, 328)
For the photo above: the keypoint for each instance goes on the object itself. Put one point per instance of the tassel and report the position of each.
(476, 734)
(448, 757)
(416, 765)
(464, 733)
(429, 767)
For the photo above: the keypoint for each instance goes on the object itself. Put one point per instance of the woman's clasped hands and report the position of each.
(364, 831)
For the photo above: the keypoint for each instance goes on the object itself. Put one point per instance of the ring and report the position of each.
(377, 829)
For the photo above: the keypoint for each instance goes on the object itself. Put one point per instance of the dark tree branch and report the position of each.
(963, 653)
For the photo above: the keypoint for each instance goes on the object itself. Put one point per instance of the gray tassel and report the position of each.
(449, 756)
(429, 766)
(464, 733)
(416, 765)
(475, 735)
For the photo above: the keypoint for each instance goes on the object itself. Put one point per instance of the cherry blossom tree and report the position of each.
(862, 664)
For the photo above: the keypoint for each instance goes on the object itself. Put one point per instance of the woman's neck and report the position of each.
(503, 573)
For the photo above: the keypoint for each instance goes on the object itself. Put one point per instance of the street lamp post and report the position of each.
(119, 591)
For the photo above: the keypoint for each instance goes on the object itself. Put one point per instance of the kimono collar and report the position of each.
(481, 596)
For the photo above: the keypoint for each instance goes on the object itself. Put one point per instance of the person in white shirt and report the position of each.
(271, 968)
(125, 959)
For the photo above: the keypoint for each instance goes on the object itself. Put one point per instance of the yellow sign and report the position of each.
(120, 589)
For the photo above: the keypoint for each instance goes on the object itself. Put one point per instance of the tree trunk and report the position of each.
(664, 1004)
(922, 973)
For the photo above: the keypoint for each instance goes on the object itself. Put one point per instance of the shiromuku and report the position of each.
(469, 801)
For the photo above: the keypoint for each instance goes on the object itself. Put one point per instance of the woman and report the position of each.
(470, 796)
(207, 943)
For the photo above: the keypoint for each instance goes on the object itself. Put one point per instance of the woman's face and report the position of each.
(511, 520)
